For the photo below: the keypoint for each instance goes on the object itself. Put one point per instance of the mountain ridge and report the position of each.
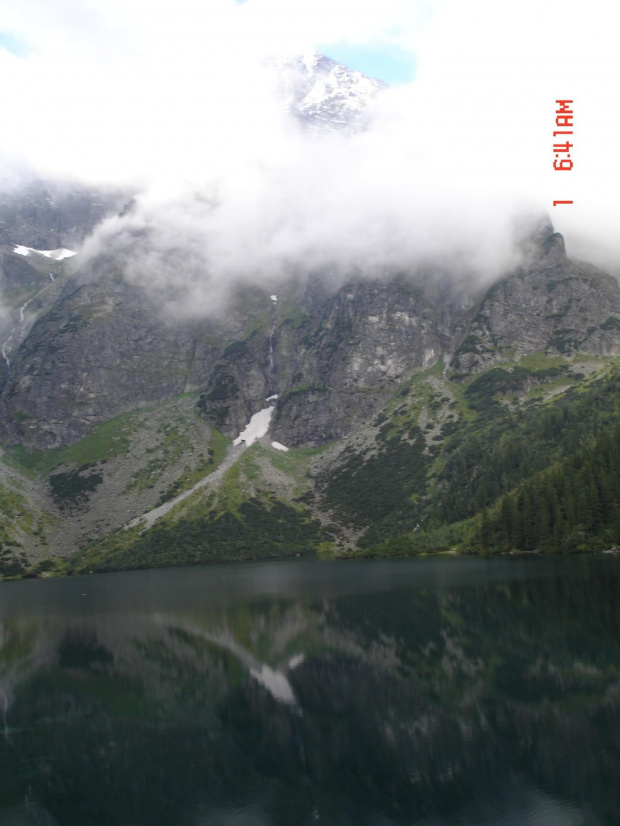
(379, 439)
(117, 416)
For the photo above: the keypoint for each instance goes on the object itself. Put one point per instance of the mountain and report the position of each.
(325, 95)
(51, 214)
(415, 411)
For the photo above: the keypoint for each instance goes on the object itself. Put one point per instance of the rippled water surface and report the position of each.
(438, 692)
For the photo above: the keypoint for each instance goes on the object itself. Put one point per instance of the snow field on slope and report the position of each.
(256, 428)
(57, 255)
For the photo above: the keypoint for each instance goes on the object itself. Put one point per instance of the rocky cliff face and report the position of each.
(81, 343)
(100, 350)
(334, 357)
(47, 215)
(550, 304)
(101, 346)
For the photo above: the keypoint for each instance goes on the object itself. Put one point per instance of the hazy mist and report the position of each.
(180, 103)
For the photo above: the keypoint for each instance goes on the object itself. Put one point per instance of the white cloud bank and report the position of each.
(174, 99)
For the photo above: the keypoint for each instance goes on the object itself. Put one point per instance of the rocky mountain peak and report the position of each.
(325, 95)
(553, 250)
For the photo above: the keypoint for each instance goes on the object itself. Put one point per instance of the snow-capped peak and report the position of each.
(326, 95)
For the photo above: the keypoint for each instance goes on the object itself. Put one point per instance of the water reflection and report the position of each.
(430, 692)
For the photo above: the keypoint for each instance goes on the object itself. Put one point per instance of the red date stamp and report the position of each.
(564, 122)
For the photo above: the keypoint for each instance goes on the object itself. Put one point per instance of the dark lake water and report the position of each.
(436, 692)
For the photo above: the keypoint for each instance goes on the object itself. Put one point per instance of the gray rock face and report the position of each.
(101, 350)
(333, 358)
(551, 304)
(101, 346)
(47, 215)
(92, 345)
(43, 215)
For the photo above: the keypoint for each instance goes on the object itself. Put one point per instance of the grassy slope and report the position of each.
(513, 424)
(438, 456)
(250, 515)
(125, 467)
(107, 441)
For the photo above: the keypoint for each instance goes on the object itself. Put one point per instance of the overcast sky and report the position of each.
(172, 97)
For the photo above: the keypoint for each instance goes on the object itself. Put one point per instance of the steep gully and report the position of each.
(257, 427)
(6, 348)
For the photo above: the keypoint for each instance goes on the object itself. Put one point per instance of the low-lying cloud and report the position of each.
(180, 103)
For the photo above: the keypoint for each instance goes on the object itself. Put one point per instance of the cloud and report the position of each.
(176, 100)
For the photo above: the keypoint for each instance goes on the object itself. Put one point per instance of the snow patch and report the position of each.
(57, 255)
(278, 446)
(256, 428)
(271, 398)
(274, 297)
(275, 683)
(310, 59)
(296, 660)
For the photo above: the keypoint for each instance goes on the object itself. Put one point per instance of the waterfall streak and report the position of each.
(22, 322)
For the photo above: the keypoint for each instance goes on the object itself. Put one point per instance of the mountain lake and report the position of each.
(428, 692)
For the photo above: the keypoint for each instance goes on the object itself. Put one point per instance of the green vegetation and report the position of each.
(564, 340)
(236, 520)
(296, 317)
(237, 348)
(326, 550)
(10, 565)
(257, 530)
(572, 506)
(107, 441)
(493, 455)
(543, 477)
(14, 512)
(206, 463)
(376, 490)
(541, 361)
(72, 488)
(481, 393)
(295, 462)
(521, 457)
(172, 444)
(418, 543)
(17, 519)
(45, 568)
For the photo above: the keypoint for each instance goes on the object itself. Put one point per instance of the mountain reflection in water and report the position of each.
(431, 692)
